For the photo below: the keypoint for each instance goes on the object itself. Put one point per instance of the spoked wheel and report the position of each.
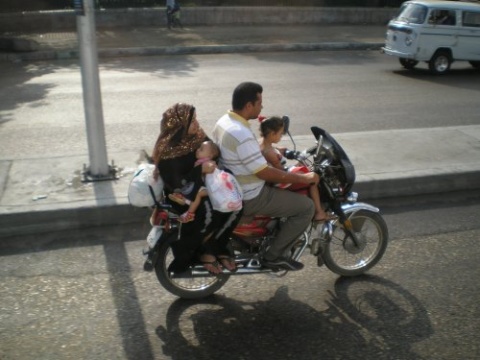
(408, 63)
(344, 257)
(184, 285)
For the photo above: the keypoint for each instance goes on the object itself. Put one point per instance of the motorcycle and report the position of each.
(349, 245)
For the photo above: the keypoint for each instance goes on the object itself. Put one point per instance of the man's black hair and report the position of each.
(244, 93)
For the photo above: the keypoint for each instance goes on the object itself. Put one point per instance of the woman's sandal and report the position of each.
(213, 267)
(227, 262)
(186, 217)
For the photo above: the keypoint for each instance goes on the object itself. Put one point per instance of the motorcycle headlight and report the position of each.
(352, 197)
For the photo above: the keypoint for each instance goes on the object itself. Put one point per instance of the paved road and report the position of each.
(341, 91)
(86, 297)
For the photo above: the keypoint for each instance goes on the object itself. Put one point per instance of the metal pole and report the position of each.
(92, 97)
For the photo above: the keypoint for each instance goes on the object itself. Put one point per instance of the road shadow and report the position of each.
(18, 87)
(322, 58)
(463, 77)
(124, 295)
(367, 315)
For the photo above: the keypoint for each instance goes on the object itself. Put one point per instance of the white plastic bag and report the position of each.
(144, 190)
(224, 191)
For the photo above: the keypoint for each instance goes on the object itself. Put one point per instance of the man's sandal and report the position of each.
(328, 217)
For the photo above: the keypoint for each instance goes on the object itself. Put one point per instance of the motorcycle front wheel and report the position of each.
(342, 256)
(184, 285)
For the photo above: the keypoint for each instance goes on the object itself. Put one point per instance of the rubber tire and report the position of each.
(207, 288)
(475, 64)
(382, 229)
(408, 63)
(440, 63)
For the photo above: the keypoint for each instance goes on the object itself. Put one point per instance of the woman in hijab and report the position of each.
(206, 237)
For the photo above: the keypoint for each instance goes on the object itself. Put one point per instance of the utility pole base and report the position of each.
(89, 177)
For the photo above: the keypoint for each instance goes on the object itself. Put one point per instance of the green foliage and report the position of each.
(36, 5)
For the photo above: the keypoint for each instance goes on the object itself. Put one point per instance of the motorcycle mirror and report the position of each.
(286, 123)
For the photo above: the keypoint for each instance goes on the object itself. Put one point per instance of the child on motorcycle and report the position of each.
(271, 131)
(207, 152)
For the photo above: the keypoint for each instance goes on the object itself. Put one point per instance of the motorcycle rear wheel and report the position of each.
(343, 257)
(186, 287)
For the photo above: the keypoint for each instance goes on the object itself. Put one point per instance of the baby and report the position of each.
(208, 152)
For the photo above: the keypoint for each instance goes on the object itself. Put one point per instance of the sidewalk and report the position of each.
(388, 163)
(436, 160)
(197, 40)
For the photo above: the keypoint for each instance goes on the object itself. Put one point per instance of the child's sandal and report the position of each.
(186, 217)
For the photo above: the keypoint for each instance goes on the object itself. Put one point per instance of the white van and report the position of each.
(438, 32)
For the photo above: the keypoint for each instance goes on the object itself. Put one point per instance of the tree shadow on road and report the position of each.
(18, 87)
(15, 89)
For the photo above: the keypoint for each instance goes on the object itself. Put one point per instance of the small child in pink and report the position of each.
(271, 130)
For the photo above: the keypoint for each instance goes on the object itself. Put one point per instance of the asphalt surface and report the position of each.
(397, 163)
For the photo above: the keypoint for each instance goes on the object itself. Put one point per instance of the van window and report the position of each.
(471, 18)
(442, 17)
(412, 13)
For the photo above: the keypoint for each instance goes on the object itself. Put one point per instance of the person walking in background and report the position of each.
(173, 14)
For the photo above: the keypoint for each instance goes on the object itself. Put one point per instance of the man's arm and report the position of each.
(272, 175)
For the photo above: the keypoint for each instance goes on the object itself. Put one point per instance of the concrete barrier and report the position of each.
(63, 20)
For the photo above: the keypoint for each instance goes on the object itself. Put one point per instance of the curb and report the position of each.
(121, 212)
(190, 50)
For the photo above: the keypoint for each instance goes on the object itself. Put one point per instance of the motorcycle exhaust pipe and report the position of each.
(200, 271)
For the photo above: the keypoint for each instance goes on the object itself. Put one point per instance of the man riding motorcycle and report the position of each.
(241, 155)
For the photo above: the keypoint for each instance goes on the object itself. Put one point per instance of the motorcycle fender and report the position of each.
(352, 208)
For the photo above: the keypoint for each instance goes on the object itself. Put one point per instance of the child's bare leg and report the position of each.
(320, 214)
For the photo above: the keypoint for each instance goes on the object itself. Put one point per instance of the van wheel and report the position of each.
(440, 62)
(408, 63)
(475, 64)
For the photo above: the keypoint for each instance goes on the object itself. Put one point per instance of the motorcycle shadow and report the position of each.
(367, 315)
